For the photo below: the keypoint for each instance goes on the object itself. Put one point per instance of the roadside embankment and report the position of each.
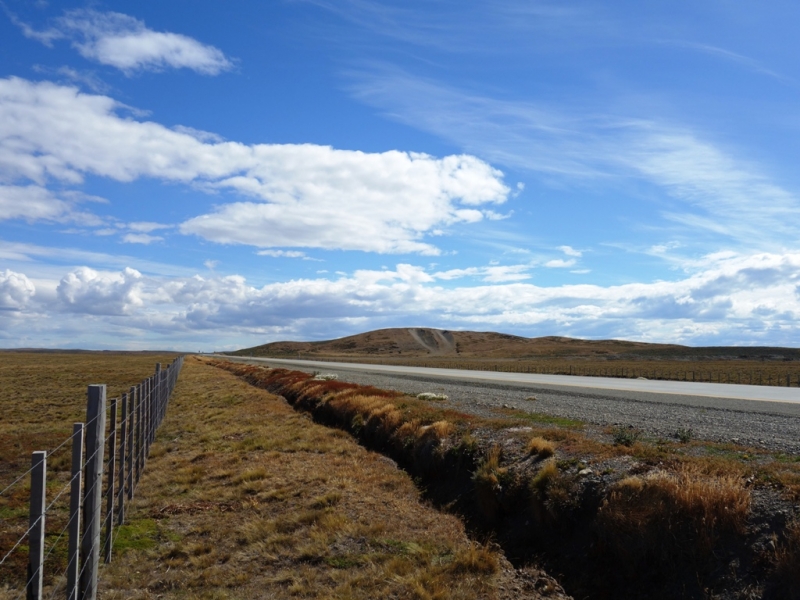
(629, 519)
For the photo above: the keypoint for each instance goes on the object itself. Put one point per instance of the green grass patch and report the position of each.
(543, 419)
(138, 535)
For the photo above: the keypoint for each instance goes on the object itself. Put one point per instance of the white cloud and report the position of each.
(282, 253)
(300, 195)
(37, 203)
(560, 263)
(491, 274)
(100, 293)
(124, 42)
(727, 299)
(141, 238)
(720, 194)
(570, 251)
(16, 290)
(31, 202)
(146, 226)
(69, 74)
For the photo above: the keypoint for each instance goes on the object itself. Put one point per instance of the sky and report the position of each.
(204, 175)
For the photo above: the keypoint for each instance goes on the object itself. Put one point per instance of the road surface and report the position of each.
(759, 415)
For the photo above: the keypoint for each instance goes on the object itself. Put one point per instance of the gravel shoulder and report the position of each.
(771, 426)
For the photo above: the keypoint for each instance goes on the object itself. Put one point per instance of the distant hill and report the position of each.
(421, 342)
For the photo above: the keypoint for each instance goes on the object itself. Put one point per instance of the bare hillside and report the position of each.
(426, 342)
(422, 342)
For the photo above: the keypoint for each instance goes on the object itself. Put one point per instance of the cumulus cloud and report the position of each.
(124, 42)
(300, 195)
(727, 299)
(87, 291)
(16, 290)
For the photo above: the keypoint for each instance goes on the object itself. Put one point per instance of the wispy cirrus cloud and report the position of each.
(717, 193)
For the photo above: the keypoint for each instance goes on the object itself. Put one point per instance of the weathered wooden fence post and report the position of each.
(93, 492)
(37, 517)
(74, 560)
(112, 469)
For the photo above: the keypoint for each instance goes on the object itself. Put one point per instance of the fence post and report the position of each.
(112, 470)
(159, 379)
(74, 563)
(37, 516)
(123, 456)
(148, 400)
(139, 394)
(93, 492)
(131, 453)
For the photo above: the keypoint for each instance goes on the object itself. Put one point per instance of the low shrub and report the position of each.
(626, 436)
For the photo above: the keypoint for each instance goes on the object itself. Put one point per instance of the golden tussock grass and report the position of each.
(544, 478)
(786, 577)
(663, 514)
(540, 447)
(303, 512)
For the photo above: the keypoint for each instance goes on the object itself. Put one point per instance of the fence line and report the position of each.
(142, 409)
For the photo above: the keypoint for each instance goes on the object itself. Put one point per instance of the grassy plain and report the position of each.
(244, 497)
(43, 394)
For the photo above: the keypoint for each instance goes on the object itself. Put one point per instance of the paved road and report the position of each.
(718, 395)
(767, 417)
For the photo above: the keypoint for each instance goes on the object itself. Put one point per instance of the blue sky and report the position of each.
(206, 175)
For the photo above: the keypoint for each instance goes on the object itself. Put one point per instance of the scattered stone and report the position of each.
(432, 396)
(326, 377)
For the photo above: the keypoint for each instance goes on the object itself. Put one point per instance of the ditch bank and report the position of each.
(606, 524)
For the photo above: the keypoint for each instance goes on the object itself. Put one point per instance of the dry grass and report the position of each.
(662, 516)
(786, 577)
(44, 393)
(251, 499)
(541, 447)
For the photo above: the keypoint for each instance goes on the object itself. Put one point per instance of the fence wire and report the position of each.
(132, 420)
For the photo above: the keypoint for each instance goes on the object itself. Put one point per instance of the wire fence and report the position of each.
(70, 534)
